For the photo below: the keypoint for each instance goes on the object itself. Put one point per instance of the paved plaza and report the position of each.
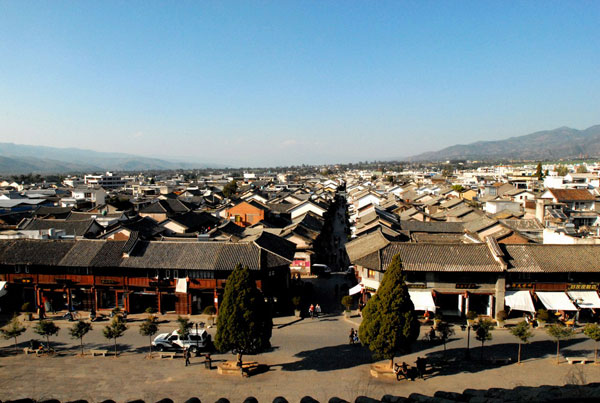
(308, 357)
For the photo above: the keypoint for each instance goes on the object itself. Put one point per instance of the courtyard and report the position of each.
(308, 357)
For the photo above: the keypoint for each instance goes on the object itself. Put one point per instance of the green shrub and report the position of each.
(151, 310)
(26, 307)
(501, 316)
(438, 315)
(209, 310)
(296, 300)
(543, 315)
(347, 301)
(471, 315)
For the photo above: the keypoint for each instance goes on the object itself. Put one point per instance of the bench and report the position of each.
(37, 351)
(582, 360)
(167, 354)
(98, 352)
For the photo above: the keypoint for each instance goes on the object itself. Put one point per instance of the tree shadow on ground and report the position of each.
(454, 361)
(329, 358)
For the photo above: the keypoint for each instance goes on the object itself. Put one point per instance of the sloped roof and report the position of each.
(365, 245)
(76, 228)
(34, 252)
(565, 195)
(441, 257)
(441, 227)
(553, 258)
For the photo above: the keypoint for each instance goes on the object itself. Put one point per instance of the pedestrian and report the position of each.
(311, 311)
(352, 336)
(207, 361)
(186, 355)
(318, 310)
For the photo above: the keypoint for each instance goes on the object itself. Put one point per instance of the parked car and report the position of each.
(195, 341)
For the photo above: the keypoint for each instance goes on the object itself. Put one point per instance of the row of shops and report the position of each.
(181, 277)
(485, 278)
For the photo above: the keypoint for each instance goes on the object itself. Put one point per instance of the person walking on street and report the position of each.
(311, 311)
(351, 336)
(186, 355)
(318, 310)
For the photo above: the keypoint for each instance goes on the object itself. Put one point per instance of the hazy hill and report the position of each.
(16, 158)
(563, 142)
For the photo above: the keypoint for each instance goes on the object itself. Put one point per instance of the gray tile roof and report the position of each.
(534, 258)
(442, 257)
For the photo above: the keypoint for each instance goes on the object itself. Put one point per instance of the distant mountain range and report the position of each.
(19, 159)
(561, 143)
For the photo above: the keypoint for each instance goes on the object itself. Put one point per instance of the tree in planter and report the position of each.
(501, 317)
(244, 324)
(389, 324)
(79, 330)
(559, 332)
(445, 331)
(471, 316)
(114, 330)
(347, 302)
(13, 329)
(542, 316)
(522, 332)
(592, 330)
(296, 300)
(149, 328)
(483, 332)
(46, 328)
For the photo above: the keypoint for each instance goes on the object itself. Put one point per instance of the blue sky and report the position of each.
(260, 83)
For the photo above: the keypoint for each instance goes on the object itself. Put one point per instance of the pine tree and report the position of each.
(79, 330)
(12, 330)
(389, 324)
(244, 324)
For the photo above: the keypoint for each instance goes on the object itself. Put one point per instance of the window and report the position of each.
(370, 273)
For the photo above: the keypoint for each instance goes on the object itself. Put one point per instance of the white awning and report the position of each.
(181, 285)
(519, 301)
(370, 283)
(585, 299)
(356, 289)
(422, 300)
(2, 288)
(556, 301)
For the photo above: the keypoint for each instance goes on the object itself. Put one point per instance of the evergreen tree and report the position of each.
(244, 324)
(559, 332)
(592, 330)
(114, 330)
(389, 324)
(12, 330)
(522, 332)
(149, 328)
(79, 330)
(538, 171)
(46, 329)
(230, 189)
